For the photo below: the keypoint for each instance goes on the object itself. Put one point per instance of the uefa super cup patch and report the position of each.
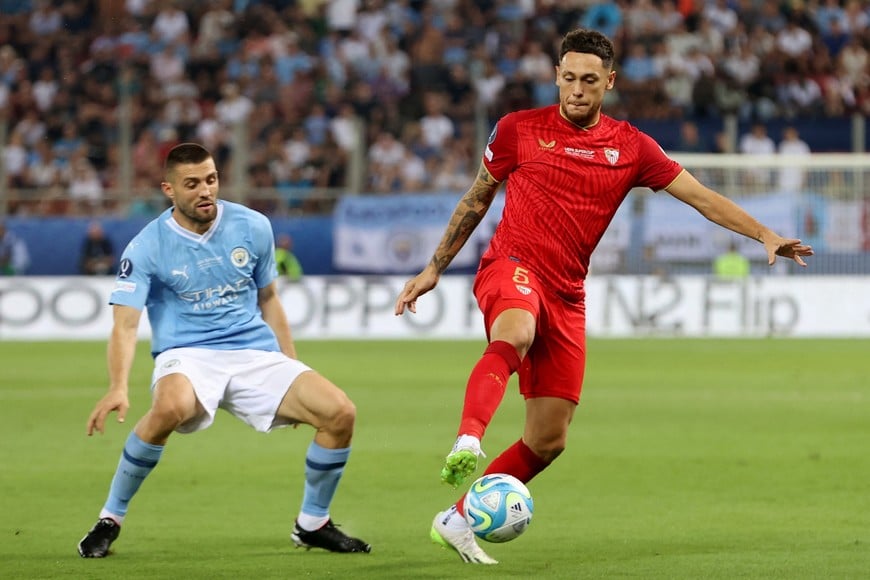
(125, 268)
(487, 152)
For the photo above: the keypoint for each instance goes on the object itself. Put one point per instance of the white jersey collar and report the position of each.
(201, 238)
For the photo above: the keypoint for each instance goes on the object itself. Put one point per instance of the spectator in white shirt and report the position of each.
(794, 41)
(45, 89)
(85, 187)
(792, 178)
(171, 25)
(234, 108)
(345, 128)
(757, 143)
(386, 156)
(721, 16)
(436, 127)
(15, 160)
(413, 175)
(45, 20)
(800, 95)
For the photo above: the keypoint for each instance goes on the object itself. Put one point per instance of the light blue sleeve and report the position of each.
(264, 241)
(133, 280)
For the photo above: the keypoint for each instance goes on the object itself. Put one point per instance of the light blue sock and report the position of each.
(323, 470)
(137, 461)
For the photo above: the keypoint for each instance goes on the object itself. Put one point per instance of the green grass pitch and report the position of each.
(687, 459)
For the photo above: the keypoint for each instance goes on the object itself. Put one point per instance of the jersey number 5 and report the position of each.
(521, 276)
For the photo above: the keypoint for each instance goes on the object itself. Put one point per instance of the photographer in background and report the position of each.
(98, 254)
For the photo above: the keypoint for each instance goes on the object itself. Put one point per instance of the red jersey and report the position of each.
(564, 185)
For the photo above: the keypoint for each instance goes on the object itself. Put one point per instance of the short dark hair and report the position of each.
(185, 154)
(588, 42)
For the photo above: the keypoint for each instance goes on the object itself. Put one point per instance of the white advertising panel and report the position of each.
(361, 307)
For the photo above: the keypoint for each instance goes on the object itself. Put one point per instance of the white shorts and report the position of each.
(249, 384)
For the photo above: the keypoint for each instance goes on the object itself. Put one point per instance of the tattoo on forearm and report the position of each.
(467, 215)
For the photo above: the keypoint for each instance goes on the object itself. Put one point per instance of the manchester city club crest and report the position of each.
(240, 257)
(403, 247)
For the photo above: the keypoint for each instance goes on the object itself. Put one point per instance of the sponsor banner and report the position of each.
(609, 255)
(865, 224)
(58, 307)
(678, 233)
(813, 221)
(843, 226)
(674, 231)
(396, 233)
(777, 211)
(361, 307)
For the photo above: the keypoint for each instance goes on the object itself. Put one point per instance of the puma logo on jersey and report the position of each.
(182, 273)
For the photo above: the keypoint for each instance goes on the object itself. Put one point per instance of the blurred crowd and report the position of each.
(296, 89)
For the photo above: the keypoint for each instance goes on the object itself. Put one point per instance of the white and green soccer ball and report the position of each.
(498, 507)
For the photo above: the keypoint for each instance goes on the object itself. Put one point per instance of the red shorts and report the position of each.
(556, 361)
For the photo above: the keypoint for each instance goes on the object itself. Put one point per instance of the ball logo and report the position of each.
(524, 290)
(240, 257)
(498, 507)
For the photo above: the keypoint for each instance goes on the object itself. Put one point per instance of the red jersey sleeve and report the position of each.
(500, 154)
(657, 170)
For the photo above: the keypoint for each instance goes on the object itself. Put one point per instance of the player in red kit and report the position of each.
(568, 167)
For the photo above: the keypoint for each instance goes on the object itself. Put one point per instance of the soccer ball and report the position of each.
(498, 507)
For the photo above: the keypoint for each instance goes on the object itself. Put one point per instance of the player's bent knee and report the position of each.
(158, 423)
(518, 338)
(169, 416)
(516, 327)
(342, 417)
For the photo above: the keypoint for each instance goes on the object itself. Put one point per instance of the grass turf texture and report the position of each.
(687, 459)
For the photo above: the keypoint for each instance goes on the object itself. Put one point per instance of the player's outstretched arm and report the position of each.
(722, 211)
(119, 357)
(468, 214)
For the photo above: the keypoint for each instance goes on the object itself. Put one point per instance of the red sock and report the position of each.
(486, 387)
(517, 460)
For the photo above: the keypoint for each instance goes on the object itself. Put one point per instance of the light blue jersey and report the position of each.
(201, 290)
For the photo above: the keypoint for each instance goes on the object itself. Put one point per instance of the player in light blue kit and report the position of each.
(205, 270)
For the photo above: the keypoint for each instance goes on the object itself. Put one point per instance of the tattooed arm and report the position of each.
(468, 214)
